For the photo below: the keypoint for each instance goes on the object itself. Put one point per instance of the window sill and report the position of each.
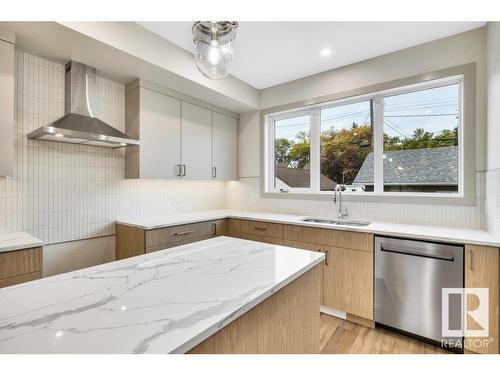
(413, 198)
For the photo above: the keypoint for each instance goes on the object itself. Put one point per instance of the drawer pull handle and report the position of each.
(326, 257)
(471, 254)
(259, 228)
(183, 233)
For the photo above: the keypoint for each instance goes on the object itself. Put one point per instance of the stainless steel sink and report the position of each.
(352, 223)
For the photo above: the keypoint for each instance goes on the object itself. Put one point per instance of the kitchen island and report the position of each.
(222, 295)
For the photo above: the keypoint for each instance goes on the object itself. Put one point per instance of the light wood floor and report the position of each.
(338, 336)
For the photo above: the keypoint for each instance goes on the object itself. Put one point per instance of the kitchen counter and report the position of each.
(163, 302)
(431, 233)
(17, 241)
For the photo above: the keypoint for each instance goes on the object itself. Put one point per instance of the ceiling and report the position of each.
(270, 53)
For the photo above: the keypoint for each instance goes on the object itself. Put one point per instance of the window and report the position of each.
(346, 141)
(402, 140)
(421, 140)
(292, 152)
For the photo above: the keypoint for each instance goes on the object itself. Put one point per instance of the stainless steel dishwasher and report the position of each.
(409, 277)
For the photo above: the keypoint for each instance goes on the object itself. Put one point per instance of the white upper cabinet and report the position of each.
(224, 147)
(154, 119)
(6, 103)
(178, 139)
(196, 142)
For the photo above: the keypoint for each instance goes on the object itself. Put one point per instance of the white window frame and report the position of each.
(427, 82)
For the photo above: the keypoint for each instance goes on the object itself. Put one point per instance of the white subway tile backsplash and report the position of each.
(64, 192)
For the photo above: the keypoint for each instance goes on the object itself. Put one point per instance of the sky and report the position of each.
(432, 109)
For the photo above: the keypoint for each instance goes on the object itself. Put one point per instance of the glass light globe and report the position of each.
(214, 54)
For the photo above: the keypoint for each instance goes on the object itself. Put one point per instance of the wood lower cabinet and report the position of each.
(163, 238)
(285, 323)
(19, 266)
(330, 237)
(482, 268)
(261, 231)
(311, 247)
(233, 228)
(348, 279)
(132, 241)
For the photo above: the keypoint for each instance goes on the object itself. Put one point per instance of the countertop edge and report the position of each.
(368, 229)
(18, 241)
(190, 344)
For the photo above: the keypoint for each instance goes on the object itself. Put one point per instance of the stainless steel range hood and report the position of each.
(79, 125)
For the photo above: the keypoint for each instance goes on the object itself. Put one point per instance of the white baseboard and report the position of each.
(333, 312)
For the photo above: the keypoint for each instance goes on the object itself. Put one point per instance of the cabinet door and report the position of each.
(196, 142)
(233, 228)
(482, 265)
(160, 134)
(6, 108)
(224, 147)
(311, 247)
(348, 281)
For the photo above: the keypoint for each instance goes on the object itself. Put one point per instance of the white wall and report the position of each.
(249, 144)
(493, 164)
(63, 192)
(444, 53)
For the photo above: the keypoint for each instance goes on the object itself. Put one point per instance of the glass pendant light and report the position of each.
(214, 53)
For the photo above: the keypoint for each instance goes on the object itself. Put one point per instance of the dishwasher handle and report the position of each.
(416, 253)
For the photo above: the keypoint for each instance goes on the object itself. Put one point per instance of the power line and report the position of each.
(425, 115)
(397, 131)
(394, 124)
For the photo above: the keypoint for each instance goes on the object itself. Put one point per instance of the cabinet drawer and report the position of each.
(20, 262)
(330, 237)
(156, 238)
(176, 243)
(20, 279)
(265, 239)
(260, 228)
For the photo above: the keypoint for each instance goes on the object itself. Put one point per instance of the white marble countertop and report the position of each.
(17, 241)
(164, 302)
(431, 233)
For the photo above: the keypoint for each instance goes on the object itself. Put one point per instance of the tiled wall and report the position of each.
(64, 192)
(245, 194)
(493, 201)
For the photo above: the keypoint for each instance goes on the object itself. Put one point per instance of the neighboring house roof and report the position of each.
(437, 166)
(296, 177)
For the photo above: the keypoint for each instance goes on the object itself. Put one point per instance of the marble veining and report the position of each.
(17, 241)
(427, 232)
(163, 302)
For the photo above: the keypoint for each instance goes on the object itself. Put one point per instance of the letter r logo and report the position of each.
(475, 312)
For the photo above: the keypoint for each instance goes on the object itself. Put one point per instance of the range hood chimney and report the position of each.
(79, 125)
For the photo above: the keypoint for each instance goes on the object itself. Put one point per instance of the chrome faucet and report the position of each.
(342, 212)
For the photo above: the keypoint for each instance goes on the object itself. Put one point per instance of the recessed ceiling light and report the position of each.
(326, 51)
